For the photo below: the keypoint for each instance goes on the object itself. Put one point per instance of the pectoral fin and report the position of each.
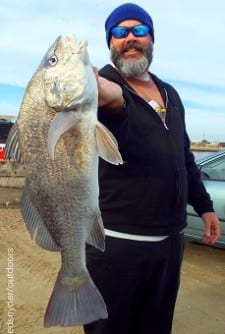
(61, 123)
(107, 145)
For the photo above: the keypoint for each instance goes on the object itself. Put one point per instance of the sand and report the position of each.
(26, 285)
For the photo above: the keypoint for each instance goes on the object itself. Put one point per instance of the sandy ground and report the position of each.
(26, 286)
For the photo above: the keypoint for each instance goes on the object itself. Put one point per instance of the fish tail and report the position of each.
(75, 301)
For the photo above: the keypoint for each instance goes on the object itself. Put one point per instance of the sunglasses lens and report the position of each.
(140, 30)
(119, 32)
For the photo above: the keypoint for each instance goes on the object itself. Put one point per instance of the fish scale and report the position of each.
(58, 139)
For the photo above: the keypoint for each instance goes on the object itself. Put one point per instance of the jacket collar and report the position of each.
(109, 72)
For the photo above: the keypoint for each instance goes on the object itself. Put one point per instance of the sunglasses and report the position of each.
(139, 30)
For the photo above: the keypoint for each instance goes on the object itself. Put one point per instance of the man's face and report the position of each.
(131, 55)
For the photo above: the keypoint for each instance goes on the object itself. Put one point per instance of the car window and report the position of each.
(5, 126)
(214, 170)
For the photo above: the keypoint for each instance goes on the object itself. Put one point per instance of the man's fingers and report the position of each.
(211, 233)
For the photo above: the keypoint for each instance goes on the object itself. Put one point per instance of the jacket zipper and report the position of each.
(167, 129)
(166, 103)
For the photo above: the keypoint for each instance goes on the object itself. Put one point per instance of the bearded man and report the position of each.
(143, 202)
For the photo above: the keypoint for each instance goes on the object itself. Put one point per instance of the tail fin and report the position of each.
(75, 301)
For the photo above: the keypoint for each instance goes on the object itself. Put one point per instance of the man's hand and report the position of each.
(110, 94)
(212, 228)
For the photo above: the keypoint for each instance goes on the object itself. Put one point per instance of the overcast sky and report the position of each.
(189, 50)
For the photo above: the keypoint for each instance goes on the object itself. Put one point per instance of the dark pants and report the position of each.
(139, 282)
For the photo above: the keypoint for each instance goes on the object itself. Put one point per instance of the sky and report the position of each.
(189, 50)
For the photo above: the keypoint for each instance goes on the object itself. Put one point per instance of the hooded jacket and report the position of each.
(148, 194)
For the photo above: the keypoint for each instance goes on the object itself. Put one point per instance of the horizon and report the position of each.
(189, 54)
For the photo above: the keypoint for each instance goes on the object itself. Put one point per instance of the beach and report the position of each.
(26, 285)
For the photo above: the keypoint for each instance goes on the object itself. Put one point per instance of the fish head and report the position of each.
(69, 86)
(67, 75)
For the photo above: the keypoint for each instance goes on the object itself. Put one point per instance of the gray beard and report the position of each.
(130, 67)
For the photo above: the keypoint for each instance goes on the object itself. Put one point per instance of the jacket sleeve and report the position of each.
(117, 122)
(197, 194)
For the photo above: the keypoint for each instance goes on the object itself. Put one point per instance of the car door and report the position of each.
(213, 176)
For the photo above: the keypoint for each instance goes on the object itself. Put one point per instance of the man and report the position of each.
(143, 201)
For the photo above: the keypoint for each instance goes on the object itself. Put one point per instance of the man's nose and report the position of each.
(130, 36)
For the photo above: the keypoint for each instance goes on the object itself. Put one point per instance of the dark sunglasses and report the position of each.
(139, 30)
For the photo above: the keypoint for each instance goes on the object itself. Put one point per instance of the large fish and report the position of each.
(58, 139)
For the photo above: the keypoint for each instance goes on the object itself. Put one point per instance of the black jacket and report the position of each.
(148, 194)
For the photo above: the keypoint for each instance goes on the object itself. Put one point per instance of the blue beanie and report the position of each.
(125, 12)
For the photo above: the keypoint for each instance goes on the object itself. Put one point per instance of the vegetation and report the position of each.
(205, 145)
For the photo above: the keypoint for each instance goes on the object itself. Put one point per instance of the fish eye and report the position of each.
(53, 60)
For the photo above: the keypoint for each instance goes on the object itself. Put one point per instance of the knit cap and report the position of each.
(127, 11)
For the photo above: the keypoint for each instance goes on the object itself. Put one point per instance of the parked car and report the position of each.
(212, 169)
(5, 126)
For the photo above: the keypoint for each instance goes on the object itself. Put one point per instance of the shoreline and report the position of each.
(207, 148)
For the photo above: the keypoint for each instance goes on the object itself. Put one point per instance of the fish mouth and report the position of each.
(62, 122)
